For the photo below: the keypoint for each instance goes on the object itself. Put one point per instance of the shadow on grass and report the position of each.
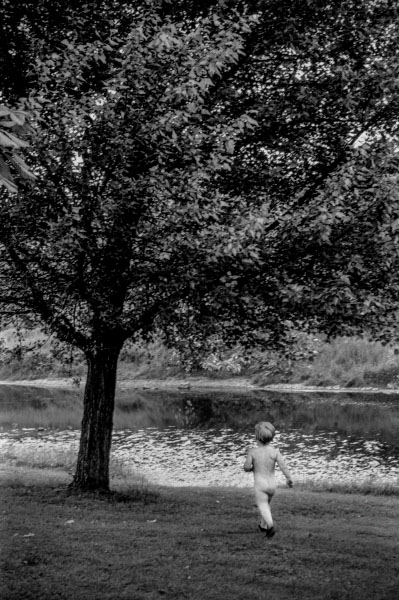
(128, 496)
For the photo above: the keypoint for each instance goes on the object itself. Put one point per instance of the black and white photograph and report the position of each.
(199, 299)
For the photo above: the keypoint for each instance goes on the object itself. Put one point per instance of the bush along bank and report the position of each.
(345, 362)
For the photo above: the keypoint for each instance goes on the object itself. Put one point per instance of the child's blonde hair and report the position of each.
(264, 432)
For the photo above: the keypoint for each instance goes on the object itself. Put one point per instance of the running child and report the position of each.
(262, 461)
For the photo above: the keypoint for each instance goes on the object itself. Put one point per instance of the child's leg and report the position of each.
(263, 500)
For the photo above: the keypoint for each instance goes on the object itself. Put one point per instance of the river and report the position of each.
(199, 438)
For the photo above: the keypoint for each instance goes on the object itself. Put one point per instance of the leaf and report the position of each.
(7, 142)
(4, 111)
(18, 117)
(21, 165)
(230, 146)
(10, 185)
(4, 170)
(6, 178)
(7, 123)
(11, 141)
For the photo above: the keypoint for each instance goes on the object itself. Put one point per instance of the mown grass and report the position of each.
(194, 544)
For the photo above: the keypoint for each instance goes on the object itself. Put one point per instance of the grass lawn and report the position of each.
(194, 544)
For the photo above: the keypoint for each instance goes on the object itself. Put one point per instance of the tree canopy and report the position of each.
(322, 82)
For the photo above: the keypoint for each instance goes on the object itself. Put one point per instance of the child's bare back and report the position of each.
(262, 461)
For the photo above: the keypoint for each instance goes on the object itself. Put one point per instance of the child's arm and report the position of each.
(249, 465)
(284, 468)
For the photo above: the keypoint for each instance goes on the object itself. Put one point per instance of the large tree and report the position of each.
(122, 222)
(202, 170)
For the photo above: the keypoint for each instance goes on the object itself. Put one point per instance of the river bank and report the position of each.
(353, 363)
(202, 383)
(194, 543)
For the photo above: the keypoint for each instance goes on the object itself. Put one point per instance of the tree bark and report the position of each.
(92, 469)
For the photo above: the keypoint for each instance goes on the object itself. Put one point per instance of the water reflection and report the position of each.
(215, 456)
(190, 438)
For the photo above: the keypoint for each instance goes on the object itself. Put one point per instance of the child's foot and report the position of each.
(270, 532)
(262, 529)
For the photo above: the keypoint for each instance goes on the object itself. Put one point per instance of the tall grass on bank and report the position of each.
(33, 354)
(53, 459)
(350, 362)
(364, 487)
(346, 361)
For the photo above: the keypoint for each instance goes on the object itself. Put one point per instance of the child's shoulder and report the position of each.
(250, 449)
(272, 449)
(265, 448)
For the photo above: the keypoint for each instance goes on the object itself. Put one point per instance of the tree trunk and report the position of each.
(92, 469)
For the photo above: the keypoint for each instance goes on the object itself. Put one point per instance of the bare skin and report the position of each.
(262, 461)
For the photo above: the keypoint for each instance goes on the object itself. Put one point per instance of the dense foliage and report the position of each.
(13, 125)
(321, 167)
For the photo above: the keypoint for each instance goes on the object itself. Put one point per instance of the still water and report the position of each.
(189, 438)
